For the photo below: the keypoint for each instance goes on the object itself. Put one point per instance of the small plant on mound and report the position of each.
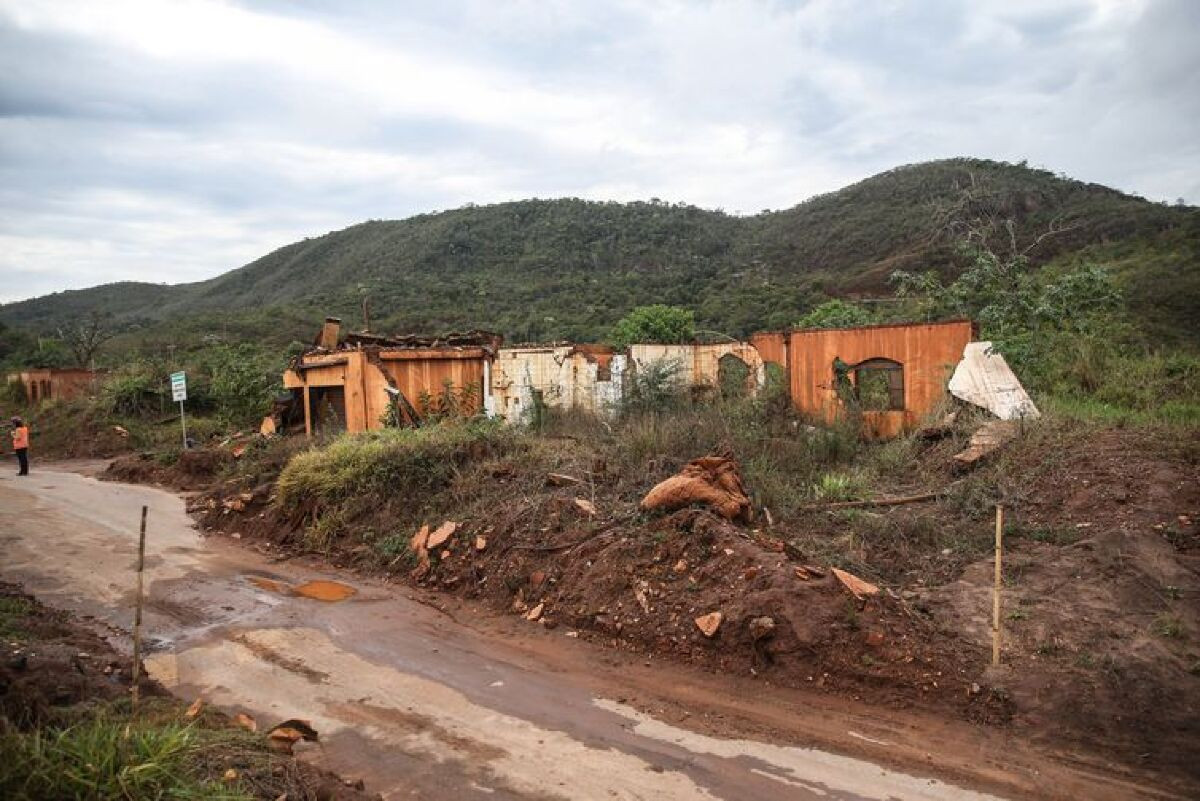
(833, 487)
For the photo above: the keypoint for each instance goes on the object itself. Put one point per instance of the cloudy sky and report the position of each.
(169, 142)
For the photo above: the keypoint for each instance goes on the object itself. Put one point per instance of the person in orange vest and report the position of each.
(20, 440)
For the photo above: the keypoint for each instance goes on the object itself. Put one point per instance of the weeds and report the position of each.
(12, 612)
(106, 756)
(833, 487)
(1168, 625)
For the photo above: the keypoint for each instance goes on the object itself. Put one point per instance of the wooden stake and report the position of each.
(137, 614)
(996, 588)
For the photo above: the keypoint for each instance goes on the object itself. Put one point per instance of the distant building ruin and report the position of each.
(54, 384)
(891, 376)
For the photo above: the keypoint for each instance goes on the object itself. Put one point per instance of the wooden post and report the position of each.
(307, 413)
(137, 614)
(996, 588)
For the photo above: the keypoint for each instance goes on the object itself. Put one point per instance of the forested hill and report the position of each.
(567, 269)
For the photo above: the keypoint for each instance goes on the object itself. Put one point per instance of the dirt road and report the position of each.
(421, 705)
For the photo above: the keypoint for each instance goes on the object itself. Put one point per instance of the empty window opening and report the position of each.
(878, 385)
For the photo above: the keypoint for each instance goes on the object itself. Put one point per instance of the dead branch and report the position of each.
(927, 496)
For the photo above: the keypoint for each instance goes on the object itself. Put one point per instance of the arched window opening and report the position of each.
(872, 385)
(733, 377)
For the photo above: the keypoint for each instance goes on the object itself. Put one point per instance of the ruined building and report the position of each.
(894, 375)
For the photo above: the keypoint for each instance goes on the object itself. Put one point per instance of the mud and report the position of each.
(324, 590)
(319, 590)
(397, 684)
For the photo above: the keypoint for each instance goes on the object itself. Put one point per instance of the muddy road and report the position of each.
(431, 703)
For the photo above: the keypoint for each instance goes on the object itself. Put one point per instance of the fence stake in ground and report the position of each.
(137, 611)
(996, 588)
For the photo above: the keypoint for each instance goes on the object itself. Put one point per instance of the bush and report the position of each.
(135, 390)
(836, 314)
(665, 325)
(655, 387)
(242, 381)
(12, 395)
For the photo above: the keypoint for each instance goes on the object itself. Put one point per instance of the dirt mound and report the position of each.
(1101, 598)
(190, 470)
(642, 588)
(49, 664)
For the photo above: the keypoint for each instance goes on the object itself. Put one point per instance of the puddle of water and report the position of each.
(324, 590)
(317, 590)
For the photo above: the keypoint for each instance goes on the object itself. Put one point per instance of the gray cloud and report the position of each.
(162, 142)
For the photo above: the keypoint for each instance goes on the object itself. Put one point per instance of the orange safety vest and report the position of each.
(20, 437)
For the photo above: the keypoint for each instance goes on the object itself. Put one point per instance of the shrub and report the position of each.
(836, 313)
(242, 381)
(667, 325)
(655, 387)
(134, 390)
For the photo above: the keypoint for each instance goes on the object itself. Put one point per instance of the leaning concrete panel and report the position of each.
(984, 378)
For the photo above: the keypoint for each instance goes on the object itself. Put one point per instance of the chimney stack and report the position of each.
(329, 333)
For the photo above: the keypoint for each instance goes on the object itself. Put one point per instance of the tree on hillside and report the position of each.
(85, 337)
(12, 342)
(836, 313)
(1036, 319)
(666, 325)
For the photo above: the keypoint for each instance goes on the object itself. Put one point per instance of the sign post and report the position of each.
(179, 394)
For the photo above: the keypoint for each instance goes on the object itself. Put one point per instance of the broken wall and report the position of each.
(354, 384)
(926, 353)
(700, 365)
(587, 377)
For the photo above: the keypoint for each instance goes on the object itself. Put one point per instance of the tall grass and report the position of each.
(396, 462)
(393, 476)
(105, 757)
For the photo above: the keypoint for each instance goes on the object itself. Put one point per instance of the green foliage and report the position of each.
(13, 611)
(110, 757)
(666, 325)
(656, 387)
(835, 487)
(20, 350)
(242, 380)
(1065, 330)
(12, 395)
(135, 390)
(402, 466)
(836, 314)
(449, 404)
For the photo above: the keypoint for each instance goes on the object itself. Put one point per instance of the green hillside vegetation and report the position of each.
(539, 270)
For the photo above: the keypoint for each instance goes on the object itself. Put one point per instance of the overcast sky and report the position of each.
(169, 142)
